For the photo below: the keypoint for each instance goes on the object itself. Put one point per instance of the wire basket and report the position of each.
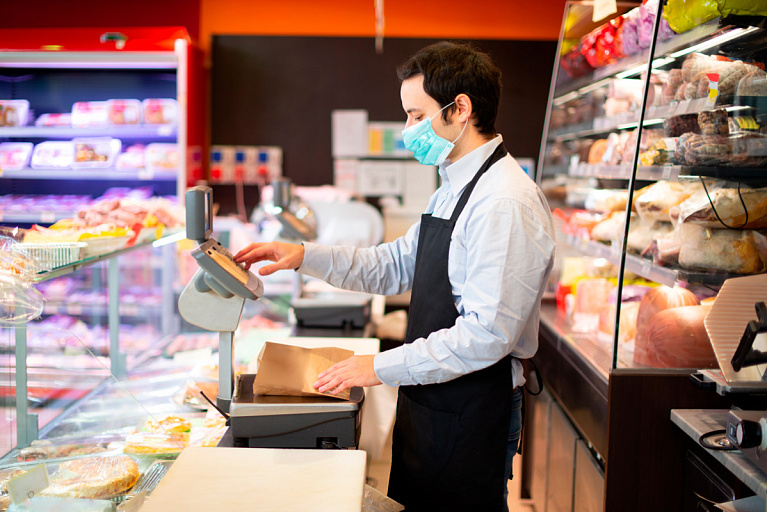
(54, 254)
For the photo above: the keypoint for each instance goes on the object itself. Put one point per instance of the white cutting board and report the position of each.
(261, 479)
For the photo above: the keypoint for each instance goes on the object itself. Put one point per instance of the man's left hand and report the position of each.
(355, 371)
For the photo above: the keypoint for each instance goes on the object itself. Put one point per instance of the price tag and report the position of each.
(666, 172)
(75, 309)
(28, 484)
(645, 270)
(145, 174)
(47, 217)
(603, 8)
(1, 216)
(129, 309)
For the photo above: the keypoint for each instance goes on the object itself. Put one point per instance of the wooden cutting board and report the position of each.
(261, 479)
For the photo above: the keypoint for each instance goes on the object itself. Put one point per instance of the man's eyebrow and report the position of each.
(411, 110)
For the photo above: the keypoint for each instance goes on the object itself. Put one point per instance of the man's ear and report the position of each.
(464, 108)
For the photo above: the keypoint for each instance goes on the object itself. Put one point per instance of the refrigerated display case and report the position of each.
(86, 110)
(653, 161)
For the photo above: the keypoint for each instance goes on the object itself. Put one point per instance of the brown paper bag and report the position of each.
(288, 370)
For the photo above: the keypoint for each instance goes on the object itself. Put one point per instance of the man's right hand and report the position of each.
(285, 256)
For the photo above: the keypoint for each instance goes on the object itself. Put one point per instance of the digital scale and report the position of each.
(213, 300)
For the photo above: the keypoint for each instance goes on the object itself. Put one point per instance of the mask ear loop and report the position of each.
(459, 135)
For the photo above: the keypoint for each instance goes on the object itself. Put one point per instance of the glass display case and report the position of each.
(86, 113)
(656, 179)
(653, 162)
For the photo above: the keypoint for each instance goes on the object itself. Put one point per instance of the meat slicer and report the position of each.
(214, 300)
(739, 339)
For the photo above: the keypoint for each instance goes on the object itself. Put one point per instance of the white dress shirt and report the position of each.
(501, 254)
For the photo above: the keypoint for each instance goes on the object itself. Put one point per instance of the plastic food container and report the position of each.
(53, 155)
(131, 158)
(13, 112)
(55, 254)
(161, 157)
(90, 113)
(160, 111)
(124, 111)
(54, 120)
(15, 155)
(95, 152)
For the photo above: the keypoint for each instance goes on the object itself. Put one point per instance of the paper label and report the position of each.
(603, 8)
(28, 484)
(47, 217)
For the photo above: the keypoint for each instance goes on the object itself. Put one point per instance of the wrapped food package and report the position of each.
(722, 250)
(167, 423)
(683, 15)
(642, 234)
(748, 149)
(647, 13)
(754, 83)
(156, 442)
(725, 205)
(661, 152)
(675, 126)
(597, 151)
(14, 156)
(574, 63)
(742, 7)
(713, 122)
(579, 223)
(600, 47)
(656, 300)
(607, 200)
(707, 150)
(610, 229)
(677, 338)
(630, 32)
(93, 477)
(664, 250)
(14, 112)
(627, 324)
(121, 112)
(591, 296)
(654, 202)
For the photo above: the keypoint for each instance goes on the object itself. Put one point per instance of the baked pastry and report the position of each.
(168, 423)
(93, 477)
(155, 442)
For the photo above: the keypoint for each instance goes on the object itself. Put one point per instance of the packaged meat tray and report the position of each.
(53, 154)
(124, 112)
(51, 120)
(160, 111)
(95, 152)
(87, 114)
(14, 156)
(131, 158)
(161, 157)
(13, 112)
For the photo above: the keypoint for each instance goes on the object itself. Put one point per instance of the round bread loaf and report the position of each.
(93, 477)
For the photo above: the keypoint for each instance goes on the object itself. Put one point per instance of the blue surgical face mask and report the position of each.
(428, 147)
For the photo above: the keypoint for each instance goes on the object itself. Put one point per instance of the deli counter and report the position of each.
(653, 161)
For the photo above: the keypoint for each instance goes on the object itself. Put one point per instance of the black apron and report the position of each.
(449, 441)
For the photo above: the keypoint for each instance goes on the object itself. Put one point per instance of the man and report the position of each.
(477, 264)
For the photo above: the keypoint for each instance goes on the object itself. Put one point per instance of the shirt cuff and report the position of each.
(317, 260)
(389, 367)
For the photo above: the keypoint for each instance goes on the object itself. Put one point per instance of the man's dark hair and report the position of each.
(450, 69)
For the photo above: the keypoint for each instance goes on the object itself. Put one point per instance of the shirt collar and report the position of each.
(459, 174)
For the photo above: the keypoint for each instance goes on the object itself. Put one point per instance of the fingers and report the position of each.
(355, 371)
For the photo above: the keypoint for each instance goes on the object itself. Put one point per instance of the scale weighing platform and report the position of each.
(213, 300)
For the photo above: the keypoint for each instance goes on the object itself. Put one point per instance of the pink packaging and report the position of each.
(124, 111)
(95, 152)
(53, 154)
(54, 120)
(13, 112)
(160, 111)
(131, 158)
(14, 156)
(90, 113)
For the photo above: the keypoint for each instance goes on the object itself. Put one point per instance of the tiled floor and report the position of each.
(378, 477)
